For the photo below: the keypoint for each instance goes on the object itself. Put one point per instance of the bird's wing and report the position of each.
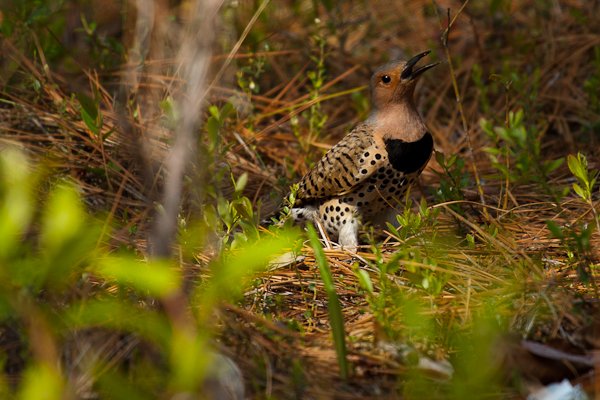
(350, 162)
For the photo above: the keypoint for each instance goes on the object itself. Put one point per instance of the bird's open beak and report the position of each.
(408, 73)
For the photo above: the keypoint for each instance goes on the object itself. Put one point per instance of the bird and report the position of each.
(360, 179)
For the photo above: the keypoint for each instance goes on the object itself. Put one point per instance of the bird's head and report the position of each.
(395, 82)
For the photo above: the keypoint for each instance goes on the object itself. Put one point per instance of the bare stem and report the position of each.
(457, 95)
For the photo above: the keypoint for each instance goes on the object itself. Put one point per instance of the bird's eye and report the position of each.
(386, 79)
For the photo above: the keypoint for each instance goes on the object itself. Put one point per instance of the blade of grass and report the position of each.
(336, 318)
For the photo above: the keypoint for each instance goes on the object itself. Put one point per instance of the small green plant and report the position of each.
(420, 249)
(412, 224)
(286, 210)
(238, 222)
(215, 125)
(517, 152)
(453, 181)
(107, 52)
(401, 315)
(586, 182)
(577, 238)
(317, 119)
(241, 223)
(248, 75)
(90, 112)
(315, 115)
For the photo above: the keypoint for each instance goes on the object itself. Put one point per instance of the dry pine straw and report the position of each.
(269, 151)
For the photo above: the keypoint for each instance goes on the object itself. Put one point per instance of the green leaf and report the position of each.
(487, 127)
(555, 229)
(580, 192)
(471, 240)
(241, 182)
(578, 166)
(63, 219)
(232, 272)
(365, 280)
(41, 381)
(213, 126)
(554, 165)
(226, 111)
(90, 122)
(90, 113)
(16, 203)
(158, 278)
(112, 384)
(88, 105)
(119, 315)
(214, 111)
(439, 157)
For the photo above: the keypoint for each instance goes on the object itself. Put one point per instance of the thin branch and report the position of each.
(457, 95)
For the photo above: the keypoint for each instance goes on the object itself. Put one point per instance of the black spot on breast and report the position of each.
(409, 157)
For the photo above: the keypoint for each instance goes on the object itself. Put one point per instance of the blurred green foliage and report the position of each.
(47, 258)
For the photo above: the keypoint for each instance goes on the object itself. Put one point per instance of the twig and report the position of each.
(461, 111)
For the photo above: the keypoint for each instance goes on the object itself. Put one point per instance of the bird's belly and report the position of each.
(383, 191)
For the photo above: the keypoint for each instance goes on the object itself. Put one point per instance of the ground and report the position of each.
(487, 286)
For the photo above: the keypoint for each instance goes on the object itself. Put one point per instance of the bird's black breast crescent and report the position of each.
(409, 157)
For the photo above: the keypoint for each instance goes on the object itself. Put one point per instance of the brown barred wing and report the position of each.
(349, 163)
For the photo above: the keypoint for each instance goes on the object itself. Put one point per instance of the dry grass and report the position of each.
(279, 334)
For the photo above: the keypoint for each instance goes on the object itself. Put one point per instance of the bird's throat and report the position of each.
(399, 122)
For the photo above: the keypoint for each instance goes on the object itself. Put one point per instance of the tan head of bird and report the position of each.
(395, 82)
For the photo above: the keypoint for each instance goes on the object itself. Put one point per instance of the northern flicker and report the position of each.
(364, 176)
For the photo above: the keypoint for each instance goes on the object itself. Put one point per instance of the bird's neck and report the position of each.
(399, 121)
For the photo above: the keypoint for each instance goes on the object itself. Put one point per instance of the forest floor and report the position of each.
(489, 287)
